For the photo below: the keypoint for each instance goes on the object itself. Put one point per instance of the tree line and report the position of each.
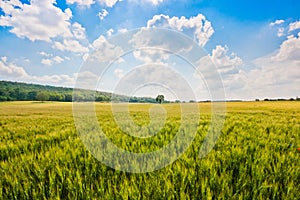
(16, 91)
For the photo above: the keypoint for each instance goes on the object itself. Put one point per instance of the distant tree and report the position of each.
(99, 98)
(42, 96)
(3, 98)
(22, 96)
(133, 99)
(256, 99)
(31, 96)
(4, 93)
(77, 97)
(55, 97)
(68, 97)
(160, 98)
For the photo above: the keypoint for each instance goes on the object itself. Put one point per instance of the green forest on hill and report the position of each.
(15, 91)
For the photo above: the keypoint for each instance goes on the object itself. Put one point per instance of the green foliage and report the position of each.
(160, 98)
(42, 96)
(42, 157)
(14, 91)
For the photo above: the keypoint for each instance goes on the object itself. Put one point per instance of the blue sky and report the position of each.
(255, 45)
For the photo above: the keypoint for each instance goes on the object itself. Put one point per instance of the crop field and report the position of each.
(256, 157)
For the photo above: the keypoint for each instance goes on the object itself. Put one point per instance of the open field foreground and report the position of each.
(256, 157)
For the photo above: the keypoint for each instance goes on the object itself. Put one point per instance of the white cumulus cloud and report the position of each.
(105, 51)
(278, 75)
(46, 61)
(154, 2)
(280, 32)
(122, 30)
(42, 20)
(52, 60)
(102, 14)
(39, 20)
(82, 3)
(71, 46)
(221, 63)
(277, 22)
(224, 62)
(78, 31)
(199, 26)
(88, 3)
(294, 26)
(289, 49)
(110, 32)
(108, 3)
(13, 72)
(4, 58)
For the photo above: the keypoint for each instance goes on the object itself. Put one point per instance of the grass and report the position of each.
(42, 157)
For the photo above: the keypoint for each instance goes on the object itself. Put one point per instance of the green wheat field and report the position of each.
(256, 157)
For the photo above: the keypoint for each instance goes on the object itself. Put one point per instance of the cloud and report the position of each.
(147, 77)
(46, 61)
(78, 31)
(294, 26)
(154, 2)
(4, 59)
(56, 80)
(122, 30)
(280, 32)
(119, 73)
(52, 60)
(102, 14)
(284, 30)
(83, 3)
(42, 53)
(151, 55)
(71, 46)
(73, 43)
(225, 63)
(157, 45)
(108, 3)
(278, 75)
(272, 76)
(277, 22)
(275, 79)
(220, 60)
(86, 80)
(228, 66)
(58, 59)
(10, 71)
(40, 20)
(105, 51)
(88, 3)
(49, 59)
(289, 49)
(110, 32)
(200, 28)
